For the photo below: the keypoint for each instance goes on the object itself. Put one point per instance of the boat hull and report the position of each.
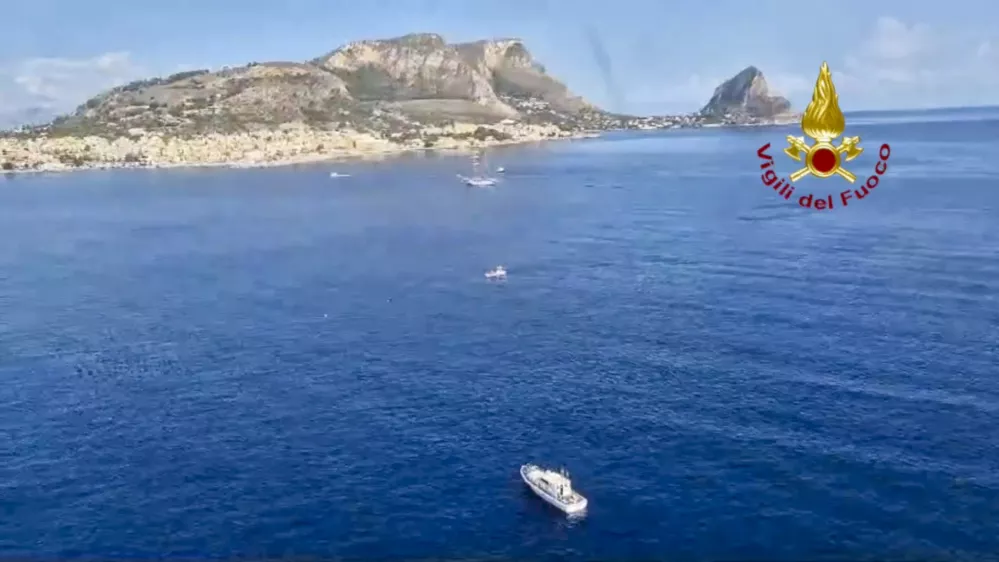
(570, 508)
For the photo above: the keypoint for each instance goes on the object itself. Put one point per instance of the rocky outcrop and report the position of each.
(513, 72)
(746, 96)
(413, 67)
(378, 86)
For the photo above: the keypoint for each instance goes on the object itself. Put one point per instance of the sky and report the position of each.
(637, 56)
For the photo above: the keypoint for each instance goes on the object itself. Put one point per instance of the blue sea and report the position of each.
(272, 362)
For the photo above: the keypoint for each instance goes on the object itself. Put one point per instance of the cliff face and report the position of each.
(419, 66)
(513, 72)
(746, 95)
(367, 85)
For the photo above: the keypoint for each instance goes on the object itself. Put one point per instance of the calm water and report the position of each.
(273, 362)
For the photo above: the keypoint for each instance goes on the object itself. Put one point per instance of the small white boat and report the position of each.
(498, 273)
(553, 486)
(500, 170)
(477, 181)
(338, 175)
(478, 177)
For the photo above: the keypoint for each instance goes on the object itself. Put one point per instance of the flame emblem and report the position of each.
(823, 121)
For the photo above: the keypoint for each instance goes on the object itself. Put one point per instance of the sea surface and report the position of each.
(273, 362)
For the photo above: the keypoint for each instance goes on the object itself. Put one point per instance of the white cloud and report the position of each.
(696, 88)
(895, 40)
(787, 84)
(895, 53)
(693, 91)
(898, 64)
(919, 65)
(55, 85)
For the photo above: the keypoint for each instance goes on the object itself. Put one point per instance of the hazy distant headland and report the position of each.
(366, 98)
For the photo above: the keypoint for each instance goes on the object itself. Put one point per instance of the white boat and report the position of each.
(477, 181)
(553, 486)
(498, 273)
(338, 175)
(500, 170)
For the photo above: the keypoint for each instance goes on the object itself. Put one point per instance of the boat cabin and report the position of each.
(557, 483)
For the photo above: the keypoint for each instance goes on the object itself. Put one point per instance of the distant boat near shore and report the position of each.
(477, 181)
(479, 177)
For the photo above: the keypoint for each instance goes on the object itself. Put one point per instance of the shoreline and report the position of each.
(359, 156)
(362, 148)
(381, 148)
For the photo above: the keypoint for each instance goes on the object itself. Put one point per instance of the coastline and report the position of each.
(288, 145)
(359, 156)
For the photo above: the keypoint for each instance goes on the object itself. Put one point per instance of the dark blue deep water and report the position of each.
(215, 363)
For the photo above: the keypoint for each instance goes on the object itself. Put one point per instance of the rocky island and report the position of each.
(366, 98)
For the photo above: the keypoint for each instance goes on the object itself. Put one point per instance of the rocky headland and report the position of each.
(746, 99)
(366, 98)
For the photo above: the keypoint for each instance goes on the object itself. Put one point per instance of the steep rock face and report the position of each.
(417, 66)
(514, 72)
(425, 66)
(746, 94)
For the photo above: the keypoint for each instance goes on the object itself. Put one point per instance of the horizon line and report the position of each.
(929, 108)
